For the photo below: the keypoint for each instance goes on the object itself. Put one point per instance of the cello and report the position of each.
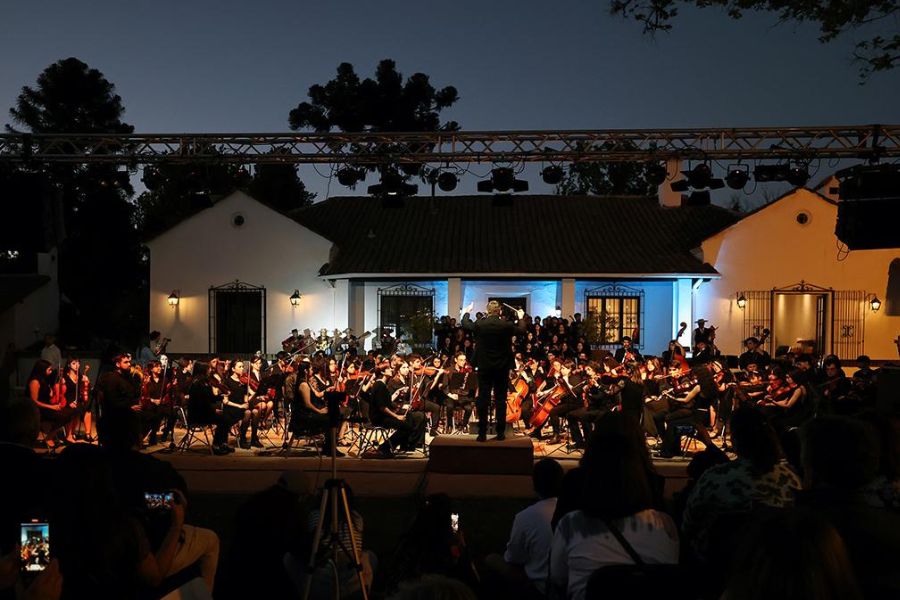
(514, 400)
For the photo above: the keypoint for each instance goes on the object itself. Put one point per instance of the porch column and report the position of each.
(454, 297)
(341, 315)
(567, 299)
(682, 310)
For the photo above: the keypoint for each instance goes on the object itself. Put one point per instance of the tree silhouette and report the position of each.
(99, 267)
(834, 17)
(385, 103)
(607, 178)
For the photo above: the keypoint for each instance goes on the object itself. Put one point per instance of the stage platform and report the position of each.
(460, 467)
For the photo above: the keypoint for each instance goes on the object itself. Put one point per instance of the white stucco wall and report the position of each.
(38, 313)
(770, 249)
(542, 296)
(269, 250)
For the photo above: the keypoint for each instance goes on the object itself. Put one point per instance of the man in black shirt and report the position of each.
(494, 359)
(627, 353)
(117, 394)
(755, 354)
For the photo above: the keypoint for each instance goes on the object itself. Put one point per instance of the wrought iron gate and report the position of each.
(237, 318)
(848, 324)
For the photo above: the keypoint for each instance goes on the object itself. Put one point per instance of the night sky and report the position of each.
(227, 66)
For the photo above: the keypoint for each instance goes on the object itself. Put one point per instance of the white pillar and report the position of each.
(682, 310)
(666, 196)
(567, 302)
(454, 297)
(341, 315)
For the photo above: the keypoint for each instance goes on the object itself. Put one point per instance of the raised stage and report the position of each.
(457, 465)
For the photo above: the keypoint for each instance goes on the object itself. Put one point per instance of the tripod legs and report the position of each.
(334, 495)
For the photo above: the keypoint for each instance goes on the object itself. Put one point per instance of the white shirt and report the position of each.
(530, 540)
(52, 355)
(582, 544)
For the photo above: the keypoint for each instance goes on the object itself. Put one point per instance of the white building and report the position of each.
(361, 264)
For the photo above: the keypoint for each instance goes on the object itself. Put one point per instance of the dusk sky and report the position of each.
(226, 66)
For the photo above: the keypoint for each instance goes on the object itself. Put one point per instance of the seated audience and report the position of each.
(618, 501)
(523, 568)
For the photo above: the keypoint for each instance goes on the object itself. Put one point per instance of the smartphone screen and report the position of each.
(159, 500)
(454, 522)
(34, 542)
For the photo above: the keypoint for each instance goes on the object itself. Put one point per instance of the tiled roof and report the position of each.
(534, 234)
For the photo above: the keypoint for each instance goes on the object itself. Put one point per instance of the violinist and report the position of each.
(627, 353)
(785, 402)
(599, 397)
(152, 408)
(568, 393)
(409, 429)
(462, 383)
(836, 388)
(307, 413)
(675, 352)
(54, 411)
(421, 378)
(691, 409)
(235, 401)
(260, 401)
(78, 394)
(201, 407)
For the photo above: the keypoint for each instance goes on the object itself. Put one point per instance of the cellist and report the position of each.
(599, 395)
(568, 393)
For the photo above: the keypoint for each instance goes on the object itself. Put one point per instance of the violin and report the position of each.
(58, 390)
(83, 393)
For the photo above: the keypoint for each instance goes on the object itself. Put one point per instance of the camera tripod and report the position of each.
(334, 497)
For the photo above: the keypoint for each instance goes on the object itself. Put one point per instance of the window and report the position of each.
(406, 311)
(237, 318)
(616, 317)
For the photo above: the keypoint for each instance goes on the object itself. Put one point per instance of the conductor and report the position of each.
(493, 359)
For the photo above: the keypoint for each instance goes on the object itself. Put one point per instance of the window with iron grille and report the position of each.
(616, 317)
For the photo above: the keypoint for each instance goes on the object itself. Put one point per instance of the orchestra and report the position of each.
(557, 390)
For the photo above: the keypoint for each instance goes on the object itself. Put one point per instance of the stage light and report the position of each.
(503, 180)
(797, 176)
(295, 298)
(741, 302)
(552, 175)
(411, 169)
(350, 176)
(656, 173)
(767, 173)
(447, 181)
(698, 178)
(393, 184)
(737, 177)
(173, 299)
(875, 304)
(151, 178)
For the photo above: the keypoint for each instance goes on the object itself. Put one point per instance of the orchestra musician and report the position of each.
(153, 406)
(55, 413)
(309, 412)
(693, 408)
(627, 353)
(836, 388)
(236, 401)
(259, 400)
(202, 407)
(785, 402)
(293, 342)
(421, 379)
(409, 428)
(599, 397)
(462, 384)
(701, 333)
(117, 393)
(78, 395)
(755, 353)
(568, 393)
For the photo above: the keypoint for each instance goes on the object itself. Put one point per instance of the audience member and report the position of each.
(793, 554)
(524, 566)
(618, 502)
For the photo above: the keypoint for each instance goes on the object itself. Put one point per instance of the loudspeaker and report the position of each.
(887, 399)
(463, 455)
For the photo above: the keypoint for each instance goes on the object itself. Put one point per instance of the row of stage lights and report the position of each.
(503, 180)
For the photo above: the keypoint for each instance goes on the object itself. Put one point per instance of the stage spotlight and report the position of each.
(737, 177)
(656, 173)
(350, 176)
(447, 181)
(393, 184)
(797, 176)
(698, 178)
(552, 175)
(767, 173)
(503, 180)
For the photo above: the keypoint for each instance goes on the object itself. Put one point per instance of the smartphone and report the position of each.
(454, 522)
(34, 546)
(159, 500)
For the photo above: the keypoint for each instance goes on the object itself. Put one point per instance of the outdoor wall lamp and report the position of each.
(874, 303)
(741, 302)
(173, 299)
(295, 298)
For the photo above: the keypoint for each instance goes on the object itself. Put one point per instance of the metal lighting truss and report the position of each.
(871, 142)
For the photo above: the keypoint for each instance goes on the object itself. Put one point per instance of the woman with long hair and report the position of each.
(77, 389)
(617, 500)
(55, 412)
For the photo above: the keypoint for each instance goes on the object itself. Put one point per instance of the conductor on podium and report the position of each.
(493, 359)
